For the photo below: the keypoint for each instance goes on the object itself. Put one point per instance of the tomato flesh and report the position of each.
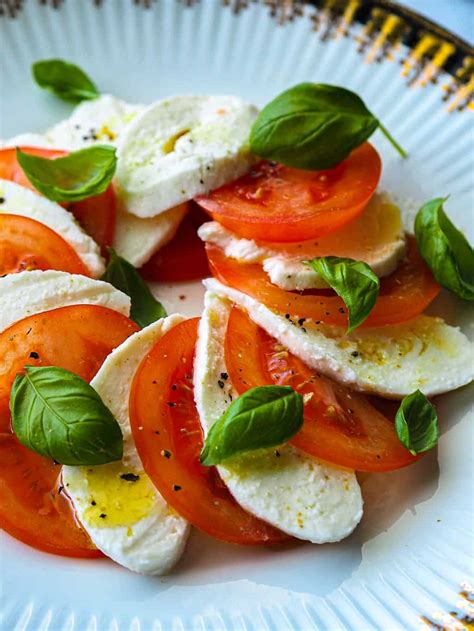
(167, 433)
(26, 244)
(340, 426)
(184, 257)
(403, 295)
(96, 214)
(78, 338)
(277, 203)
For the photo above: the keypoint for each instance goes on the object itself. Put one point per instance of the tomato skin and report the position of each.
(97, 214)
(167, 433)
(277, 203)
(27, 244)
(340, 426)
(184, 257)
(32, 508)
(403, 295)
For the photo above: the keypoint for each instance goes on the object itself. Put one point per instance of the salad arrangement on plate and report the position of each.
(123, 426)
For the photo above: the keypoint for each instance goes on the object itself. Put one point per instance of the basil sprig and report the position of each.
(445, 249)
(416, 423)
(79, 175)
(353, 281)
(261, 417)
(60, 416)
(65, 80)
(121, 274)
(314, 126)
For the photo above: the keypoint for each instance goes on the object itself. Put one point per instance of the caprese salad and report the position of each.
(122, 426)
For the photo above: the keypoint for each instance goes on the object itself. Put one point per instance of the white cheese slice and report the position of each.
(286, 488)
(139, 530)
(391, 361)
(375, 237)
(137, 239)
(19, 200)
(182, 147)
(103, 120)
(27, 293)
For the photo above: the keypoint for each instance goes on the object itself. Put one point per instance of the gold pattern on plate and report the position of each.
(461, 619)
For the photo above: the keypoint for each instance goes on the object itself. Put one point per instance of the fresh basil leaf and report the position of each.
(416, 423)
(60, 416)
(445, 249)
(64, 79)
(314, 126)
(261, 417)
(122, 275)
(353, 281)
(79, 175)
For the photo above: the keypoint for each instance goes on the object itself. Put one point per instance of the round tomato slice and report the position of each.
(96, 214)
(340, 426)
(277, 203)
(34, 508)
(403, 295)
(168, 437)
(27, 244)
(184, 257)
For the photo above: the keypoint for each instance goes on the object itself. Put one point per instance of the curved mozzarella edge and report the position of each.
(19, 200)
(101, 120)
(300, 496)
(287, 269)
(182, 147)
(27, 293)
(137, 239)
(152, 541)
(391, 361)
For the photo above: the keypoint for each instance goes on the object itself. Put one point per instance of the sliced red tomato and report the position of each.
(96, 214)
(184, 257)
(340, 426)
(26, 244)
(34, 508)
(403, 295)
(167, 434)
(277, 203)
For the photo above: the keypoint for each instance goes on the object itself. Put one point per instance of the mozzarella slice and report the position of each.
(19, 200)
(182, 147)
(103, 120)
(375, 237)
(297, 494)
(391, 361)
(27, 293)
(137, 239)
(137, 528)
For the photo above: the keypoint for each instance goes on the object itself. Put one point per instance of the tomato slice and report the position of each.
(403, 295)
(340, 426)
(96, 214)
(184, 257)
(26, 244)
(277, 203)
(34, 508)
(168, 437)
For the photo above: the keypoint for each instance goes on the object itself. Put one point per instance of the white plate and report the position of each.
(411, 556)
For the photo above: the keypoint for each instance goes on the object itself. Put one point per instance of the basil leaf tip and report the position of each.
(314, 126)
(64, 79)
(79, 175)
(59, 415)
(354, 281)
(416, 423)
(123, 275)
(261, 417)
(445, 249)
